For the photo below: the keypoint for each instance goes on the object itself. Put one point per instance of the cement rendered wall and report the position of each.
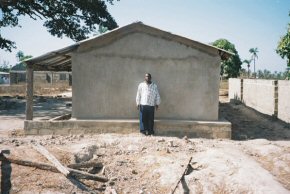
(105, 79)
(260, 95)
(19, 77)
(284, 100)
(191, 129)
(235, 88)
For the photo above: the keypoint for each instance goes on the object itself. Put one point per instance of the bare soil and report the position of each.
(256, 160)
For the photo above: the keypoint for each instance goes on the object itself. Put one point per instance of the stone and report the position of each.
(143, 148)
(167, 150)
(192, 148)
(119, 152)
(114, 179)
(110, 190)
(121, 162)
(141, 192)
(85, 154)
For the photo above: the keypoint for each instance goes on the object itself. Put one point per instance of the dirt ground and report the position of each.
(256, 160)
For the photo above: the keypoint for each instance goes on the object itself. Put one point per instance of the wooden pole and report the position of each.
(29, 92)
(182, 176)
(43, 166)
(51, 81)
(52, 159)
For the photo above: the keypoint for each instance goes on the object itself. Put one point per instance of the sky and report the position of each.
(245, 23)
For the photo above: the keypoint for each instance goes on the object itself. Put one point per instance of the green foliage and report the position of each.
(248, 62)
(266, 74)
(254, 52)
(21, 57)
(75, 19)
(19, 67)
(232, 66)
(4, 66)
(102, 29)
(283, 48)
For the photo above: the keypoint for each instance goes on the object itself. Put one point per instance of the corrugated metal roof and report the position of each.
(4, 73)
(57, 60)
(60, 60)
(18, 71)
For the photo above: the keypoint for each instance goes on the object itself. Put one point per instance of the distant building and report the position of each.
(18, 77)
(4, 78)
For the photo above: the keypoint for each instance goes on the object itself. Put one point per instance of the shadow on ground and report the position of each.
(43, 107)
(248, 123)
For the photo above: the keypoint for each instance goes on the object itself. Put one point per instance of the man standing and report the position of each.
(147, 101)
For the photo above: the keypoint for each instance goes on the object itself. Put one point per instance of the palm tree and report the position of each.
(19, 55)
(254, 52)
(248, 65)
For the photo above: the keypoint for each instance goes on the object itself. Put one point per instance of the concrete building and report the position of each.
(40, 77)
(107, 69)
(4, 78)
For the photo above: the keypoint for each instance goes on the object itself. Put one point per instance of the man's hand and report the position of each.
(156, 107)
(138, 107)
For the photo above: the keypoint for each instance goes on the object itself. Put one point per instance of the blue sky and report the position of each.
(245, 23)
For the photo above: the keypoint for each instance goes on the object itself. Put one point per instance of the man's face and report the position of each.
(147, 78)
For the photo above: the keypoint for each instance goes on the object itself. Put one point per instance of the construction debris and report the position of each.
(52, 159)
(188, 166)
(72, 172)
(120, 164)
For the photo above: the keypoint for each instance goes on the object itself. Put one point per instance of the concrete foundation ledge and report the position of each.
(177, 128)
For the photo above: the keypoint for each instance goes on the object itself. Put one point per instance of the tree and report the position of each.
(102, 29)
(254, 52)
(75, 19)
(248, 62)
(243, 73)
(260, 74)
(267, 74)
(21, 57)
(5, 67)
(232, 66)
(283, 48)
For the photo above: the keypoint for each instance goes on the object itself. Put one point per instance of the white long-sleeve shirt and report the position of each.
(147, 94)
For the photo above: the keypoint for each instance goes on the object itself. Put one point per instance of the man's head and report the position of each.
(148, 78)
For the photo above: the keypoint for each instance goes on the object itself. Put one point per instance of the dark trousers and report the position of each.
(146, 119)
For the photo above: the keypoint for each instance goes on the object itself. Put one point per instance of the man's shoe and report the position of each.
(151, 132)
